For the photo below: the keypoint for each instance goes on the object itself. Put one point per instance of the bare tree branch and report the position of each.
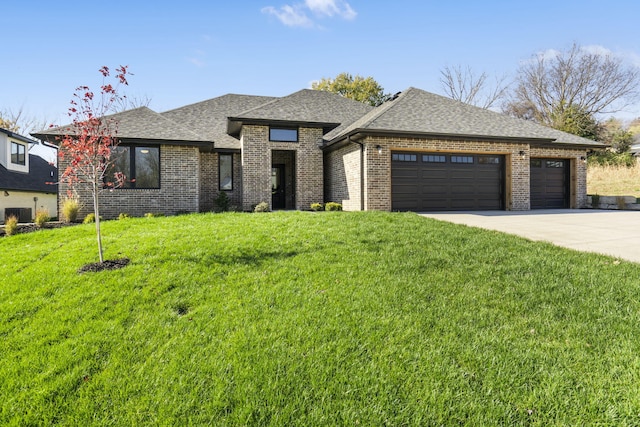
(463, 85)
(591, 82)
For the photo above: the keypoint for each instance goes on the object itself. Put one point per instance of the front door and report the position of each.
(278, 196)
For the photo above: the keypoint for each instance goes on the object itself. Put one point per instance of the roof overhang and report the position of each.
(358, 134)
(234, 124)
(19, 137)
(54, 141)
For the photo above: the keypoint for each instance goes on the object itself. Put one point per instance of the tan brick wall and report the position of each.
(378, 168)
(257, 161)
(209, 185)
(342, 177)
(309, 169)
(179, 188)
(256, 166)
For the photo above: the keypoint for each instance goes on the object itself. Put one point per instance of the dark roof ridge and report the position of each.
(239, 95)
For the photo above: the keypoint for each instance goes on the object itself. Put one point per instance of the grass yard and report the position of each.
(314, 319)
(613, 180)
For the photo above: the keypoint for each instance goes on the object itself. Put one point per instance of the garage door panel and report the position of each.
(405, 173)
(445, 185)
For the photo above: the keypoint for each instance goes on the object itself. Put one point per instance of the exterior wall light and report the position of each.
(584, 159)
(522, 153)
(379, 148)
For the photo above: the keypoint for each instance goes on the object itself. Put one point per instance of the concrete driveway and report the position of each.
(615, 233)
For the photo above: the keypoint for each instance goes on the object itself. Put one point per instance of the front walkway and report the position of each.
(615, 233)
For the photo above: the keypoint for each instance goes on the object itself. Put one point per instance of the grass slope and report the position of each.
(610, 180)
(314, 319)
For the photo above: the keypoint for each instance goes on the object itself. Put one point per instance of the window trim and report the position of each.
(133, 185)
(220, 155)
(272, 128)
(18, 154)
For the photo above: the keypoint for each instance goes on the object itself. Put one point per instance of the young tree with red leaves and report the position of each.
(87, 143)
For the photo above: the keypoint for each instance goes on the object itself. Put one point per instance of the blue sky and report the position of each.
(188, 51)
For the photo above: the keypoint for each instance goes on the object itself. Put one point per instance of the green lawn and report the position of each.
(305, 319)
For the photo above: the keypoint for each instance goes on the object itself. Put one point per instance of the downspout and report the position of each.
(361, 171)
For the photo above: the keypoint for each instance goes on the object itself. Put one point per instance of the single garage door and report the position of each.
(446, 182)
(549, 184)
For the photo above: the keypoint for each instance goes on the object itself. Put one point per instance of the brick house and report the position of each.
(417, 151)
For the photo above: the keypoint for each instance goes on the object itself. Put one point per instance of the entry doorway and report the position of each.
(283, 172)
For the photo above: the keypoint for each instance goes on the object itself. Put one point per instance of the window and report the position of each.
(536, 163)
(404, 157)
(489, 160)
(432, 158)
(140, 166)
(283, 135)
(225, 171)
(461, 159)
(555, 164)
(18, 154)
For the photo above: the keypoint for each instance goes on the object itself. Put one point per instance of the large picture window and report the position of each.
(18, 154)
(140, 165)
(225, 168)
(283, 135)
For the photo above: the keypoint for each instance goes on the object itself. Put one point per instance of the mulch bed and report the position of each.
(109, 264)
(30, 227)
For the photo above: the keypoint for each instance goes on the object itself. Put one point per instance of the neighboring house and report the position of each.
(417, 152)
(26, 180)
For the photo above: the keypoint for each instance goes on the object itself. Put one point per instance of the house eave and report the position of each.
(358, 134)
(234, 124)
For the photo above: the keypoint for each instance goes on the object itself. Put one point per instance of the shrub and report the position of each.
(317, 207)
(123, 216)
(595, 201)
(11, 225)
(153, 215)
(332, 206)
(42, 216)
(261, 207)
(610, 158)
(91, 217)
(70, 209)
(222, 202)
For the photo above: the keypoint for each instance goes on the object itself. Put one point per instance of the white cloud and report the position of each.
(296, 15)
(596, 50)
(331, 8)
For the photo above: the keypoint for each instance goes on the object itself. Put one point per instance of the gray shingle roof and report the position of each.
(209, 118)
(415, 111)
(140, 123)
(308, 106)
(40, 174)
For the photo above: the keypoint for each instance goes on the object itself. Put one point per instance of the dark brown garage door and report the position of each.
(446, 182)
(549, 184)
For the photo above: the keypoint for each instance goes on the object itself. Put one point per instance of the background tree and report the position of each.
(358, 88)
(614, 133)
(20, 122)
(577, 80)
(574, 120)
(462, 84)
(87, 143)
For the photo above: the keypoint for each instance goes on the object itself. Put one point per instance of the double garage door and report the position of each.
(460, 182)
(446, 182)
